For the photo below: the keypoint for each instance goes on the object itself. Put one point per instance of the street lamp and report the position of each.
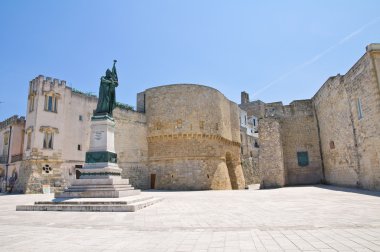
(8, 158)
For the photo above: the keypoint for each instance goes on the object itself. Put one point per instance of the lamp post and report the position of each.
(8, 158)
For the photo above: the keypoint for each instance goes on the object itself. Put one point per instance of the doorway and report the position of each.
(152, 181)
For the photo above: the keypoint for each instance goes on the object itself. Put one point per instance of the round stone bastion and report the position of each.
(193, 138)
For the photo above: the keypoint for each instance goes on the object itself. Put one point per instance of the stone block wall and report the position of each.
(299, 133)
(193, 138)
(271, 157)
(131, 146)
(348, 109)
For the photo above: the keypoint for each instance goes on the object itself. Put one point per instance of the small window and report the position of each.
(31, 103)
(179, 124)
(256, 144)
(360, 112)
(241, 149)
(29, 140)
(6, 138)
(245, 120)
(254, 122)
(241, 138)
(202, 125)
(303, 158)
(80, 118)
(332, 145)
(216, 126)
(47, 169)
(79, 147)
(51, 103)
(48, 140)
(158, 126)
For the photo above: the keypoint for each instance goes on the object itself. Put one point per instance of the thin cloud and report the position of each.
(317, 57)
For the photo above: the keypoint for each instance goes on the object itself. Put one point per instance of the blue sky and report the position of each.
(274, 50)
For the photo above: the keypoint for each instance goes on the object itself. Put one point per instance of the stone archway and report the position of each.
(231, 171)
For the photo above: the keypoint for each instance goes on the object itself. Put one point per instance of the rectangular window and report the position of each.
(245, 120)
(79, 147)
(48, 140)
(216, 126)
(80, 118)
(55, 105)
(360, 112)
(303, 158)
(254, 122)
(202, 125)
(31, 104)
(29, 140)
(51, 103)
(6, 138)
(179, 124)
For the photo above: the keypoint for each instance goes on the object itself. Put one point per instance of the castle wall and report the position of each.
(271, 157)
(348, 108)
(254, 108)
(193, 138)
(131, 146)
(299, 133)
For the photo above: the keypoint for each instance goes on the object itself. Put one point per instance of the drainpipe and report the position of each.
(8, 158)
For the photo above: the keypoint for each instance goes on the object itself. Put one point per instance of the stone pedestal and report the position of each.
(101, 176)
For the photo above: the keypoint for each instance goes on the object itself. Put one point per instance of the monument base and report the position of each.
(99, 187)
(130, 204)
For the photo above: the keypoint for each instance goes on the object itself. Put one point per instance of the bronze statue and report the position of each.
(107, 96)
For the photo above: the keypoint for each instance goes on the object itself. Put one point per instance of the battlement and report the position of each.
(40, 79)
(373, 47)
(11, 121)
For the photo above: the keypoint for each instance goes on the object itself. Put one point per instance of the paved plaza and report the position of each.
(309, 218)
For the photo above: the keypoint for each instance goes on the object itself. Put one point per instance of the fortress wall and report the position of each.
(193, 124)
(336, 133)
(271, 157)
(350, 138)
(362, 87)
(299, 133)
(131, 146)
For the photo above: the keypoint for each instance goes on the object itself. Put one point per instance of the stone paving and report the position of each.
(311, 218)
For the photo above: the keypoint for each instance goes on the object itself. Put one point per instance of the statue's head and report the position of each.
(108, 74)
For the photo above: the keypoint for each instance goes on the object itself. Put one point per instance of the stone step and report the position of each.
(100, 188)
(91, 201)
(106, 206)
(101, 181)
(97, 194)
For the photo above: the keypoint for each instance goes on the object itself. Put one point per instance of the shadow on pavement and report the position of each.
(350, 190)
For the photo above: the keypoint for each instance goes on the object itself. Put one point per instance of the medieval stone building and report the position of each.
(191, 137)
(333, 138)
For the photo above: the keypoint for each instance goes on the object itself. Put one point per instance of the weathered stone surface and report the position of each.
(193, 138)
(271, 157)
(129, 204)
